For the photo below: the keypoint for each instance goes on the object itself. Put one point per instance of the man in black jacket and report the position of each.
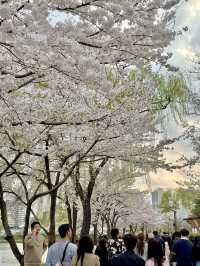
(128, 258)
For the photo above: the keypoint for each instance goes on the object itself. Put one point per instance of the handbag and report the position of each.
(63, 257)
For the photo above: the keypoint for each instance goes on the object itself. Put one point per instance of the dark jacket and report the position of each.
(128, 258)
(196, 254)
(103, 255)
(183, 250)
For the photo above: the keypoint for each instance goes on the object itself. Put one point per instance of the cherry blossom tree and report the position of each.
(76, 89)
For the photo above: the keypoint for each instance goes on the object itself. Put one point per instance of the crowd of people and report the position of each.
(129, 250)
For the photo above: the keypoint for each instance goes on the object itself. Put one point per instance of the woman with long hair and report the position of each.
(154, 253)
(102, 252)
(85, 257)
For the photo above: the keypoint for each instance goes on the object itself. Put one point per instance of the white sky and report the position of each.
(184, 49)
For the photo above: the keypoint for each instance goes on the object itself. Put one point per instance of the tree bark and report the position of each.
(52, 217)
(102, 226)
(85, 196)
(69, 211)
(27, 220)
(108, 229)
(9, 236)
(95, 233)
(74, 221)
(86, 217)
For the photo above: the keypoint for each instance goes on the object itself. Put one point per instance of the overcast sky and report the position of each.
(184, 49)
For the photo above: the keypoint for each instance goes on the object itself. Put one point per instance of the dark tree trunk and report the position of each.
(86, 217)
(74, 223)
(131, 228)
(69, 211)
(85, 196)
(124, 231)
(52, 227)
(102, 226)
(108, 229)
(9, 236)
(27, 220)
(95, 233)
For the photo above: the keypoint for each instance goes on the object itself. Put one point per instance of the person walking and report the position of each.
(182, 249)
(196, 251)
(34, 246)
(159, 239)
(115, 245)
(102, 252)
(62, 252)
(154, 253)
(140, 245)
(129, 257)
(172, 257)
(84, 253)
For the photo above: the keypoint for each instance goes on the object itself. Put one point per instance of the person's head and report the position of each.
(185, 232)
(65, 231)
(130, 241)
(140, 237)
(35, 227)
(114, 233)
(176, 235)
(155, 233)
(102, 242)
(154, 251)
(85, 245)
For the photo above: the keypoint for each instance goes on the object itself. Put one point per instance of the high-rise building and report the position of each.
(156, 197)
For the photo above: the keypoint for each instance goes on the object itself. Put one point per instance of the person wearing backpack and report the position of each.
(62, 252)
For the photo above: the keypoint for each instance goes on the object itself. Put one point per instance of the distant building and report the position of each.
(16, 213)
(156, 197)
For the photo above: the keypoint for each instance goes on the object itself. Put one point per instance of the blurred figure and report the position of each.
(102, 252)
(128, 258)
(172, 258)
(182, 249)
(85, 257)
(154, 253)
(159, 239)
(166, 238)
(140, 245)
(176, 236)
(115, 245)
(34, 246)
(196, 251)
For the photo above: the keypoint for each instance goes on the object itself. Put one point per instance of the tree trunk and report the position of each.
(124, 231)
(26, 220)
(131, 228)
(74, 221)
(9, 236)
(108, 229)
(86, 217)
(69, 211)
(102, 226)
(95, 233)
(52, 227)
